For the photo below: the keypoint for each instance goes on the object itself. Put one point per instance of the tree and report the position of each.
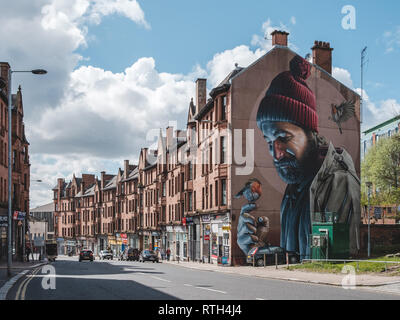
(381, 166)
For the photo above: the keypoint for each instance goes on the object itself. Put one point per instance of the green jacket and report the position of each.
(336, 188)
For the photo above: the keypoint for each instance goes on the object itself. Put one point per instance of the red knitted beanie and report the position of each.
(289, 99)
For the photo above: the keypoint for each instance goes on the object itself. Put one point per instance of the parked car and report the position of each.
(148, 255)
(256, 254)
(133, 254)
(86, 255)
(106, 254)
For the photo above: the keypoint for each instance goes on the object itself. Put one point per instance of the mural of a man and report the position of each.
(319, 177)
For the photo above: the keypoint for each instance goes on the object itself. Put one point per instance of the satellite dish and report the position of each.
(2, 83)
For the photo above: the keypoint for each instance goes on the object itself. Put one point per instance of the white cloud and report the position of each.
(293, 20)
(392, 39)
(343, 76)
(223, 63)
(373, 112)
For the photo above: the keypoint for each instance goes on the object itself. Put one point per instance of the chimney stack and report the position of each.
(103, 173)
(280, 38)
(126, 168)
(322, 55)
(201, 94)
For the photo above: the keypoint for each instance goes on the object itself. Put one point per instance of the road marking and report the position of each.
(211, 290)
(22, 288)
(259, 299)
(160, 279)
(188, 285)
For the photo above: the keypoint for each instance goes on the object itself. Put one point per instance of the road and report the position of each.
(126, 280)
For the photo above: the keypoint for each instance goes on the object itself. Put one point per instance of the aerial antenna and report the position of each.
(363, 54)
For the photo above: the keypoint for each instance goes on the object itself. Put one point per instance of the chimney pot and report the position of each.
(322, 55)
(279, 38)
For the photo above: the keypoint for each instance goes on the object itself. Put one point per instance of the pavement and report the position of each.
(282, 273)
(18, 269)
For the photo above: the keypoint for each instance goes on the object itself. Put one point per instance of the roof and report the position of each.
(222, 87)
(134, 174)
(383, 124)
(111, 184)
(89, 191)
(45, 208)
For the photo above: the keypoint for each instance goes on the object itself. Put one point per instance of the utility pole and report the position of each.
(363, 54)
(369, 184)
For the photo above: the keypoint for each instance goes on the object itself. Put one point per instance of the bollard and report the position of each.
(276, 260)
(287, 260)
(265, 260)
(254, 260)
(358, 267)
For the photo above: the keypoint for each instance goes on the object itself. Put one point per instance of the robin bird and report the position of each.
(251, 191)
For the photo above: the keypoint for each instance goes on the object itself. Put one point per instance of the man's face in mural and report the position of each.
(291, 148)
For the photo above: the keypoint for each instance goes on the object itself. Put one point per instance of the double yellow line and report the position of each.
(24, 284)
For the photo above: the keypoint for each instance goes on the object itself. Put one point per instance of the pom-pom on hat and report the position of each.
(289, 99)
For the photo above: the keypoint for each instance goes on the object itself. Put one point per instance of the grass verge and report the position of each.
(389, 269)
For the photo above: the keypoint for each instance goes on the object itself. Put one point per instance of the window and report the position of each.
(190, 171)
(223, 108)
(223, 192)
(190, 203)
(223, 150)
(211, 196)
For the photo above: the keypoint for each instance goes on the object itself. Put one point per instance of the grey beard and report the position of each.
(290, 170)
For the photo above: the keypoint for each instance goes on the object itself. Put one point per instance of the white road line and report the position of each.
(211, 290)
(188, 285)
(160, 279)
(259, 299)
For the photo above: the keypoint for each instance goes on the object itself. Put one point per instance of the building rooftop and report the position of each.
(45, 208)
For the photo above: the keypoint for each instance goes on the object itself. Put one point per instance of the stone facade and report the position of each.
(20, 165)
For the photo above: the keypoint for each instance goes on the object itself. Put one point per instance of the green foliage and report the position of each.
(381, 166)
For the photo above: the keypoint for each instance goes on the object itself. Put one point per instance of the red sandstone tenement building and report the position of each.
(181, 196)
(20, 164)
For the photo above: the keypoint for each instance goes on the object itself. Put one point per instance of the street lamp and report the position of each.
(369, 185)
(9, 233)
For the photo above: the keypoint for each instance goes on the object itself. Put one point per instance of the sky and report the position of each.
(118, 69)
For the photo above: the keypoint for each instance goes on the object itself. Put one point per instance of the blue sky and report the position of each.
(118, 69)
(186, 33)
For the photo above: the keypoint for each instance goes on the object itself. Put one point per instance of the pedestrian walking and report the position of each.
(168, 253)
(27, 252)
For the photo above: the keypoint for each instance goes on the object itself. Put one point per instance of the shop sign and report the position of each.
(155, 234)
(180, 229)
(19, 215)
(189, 220)
(170, 229)
(207, 237)
(205, 218)
(226, 228)
(123, 236)
(184, 221)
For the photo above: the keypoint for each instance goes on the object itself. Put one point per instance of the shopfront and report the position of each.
(193, 227)
(216, 238)
(181, 243)
(70, 247)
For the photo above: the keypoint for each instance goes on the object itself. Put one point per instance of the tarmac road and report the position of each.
(126, 280)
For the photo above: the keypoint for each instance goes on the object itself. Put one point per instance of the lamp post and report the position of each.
(10, 224)
(369, 184)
